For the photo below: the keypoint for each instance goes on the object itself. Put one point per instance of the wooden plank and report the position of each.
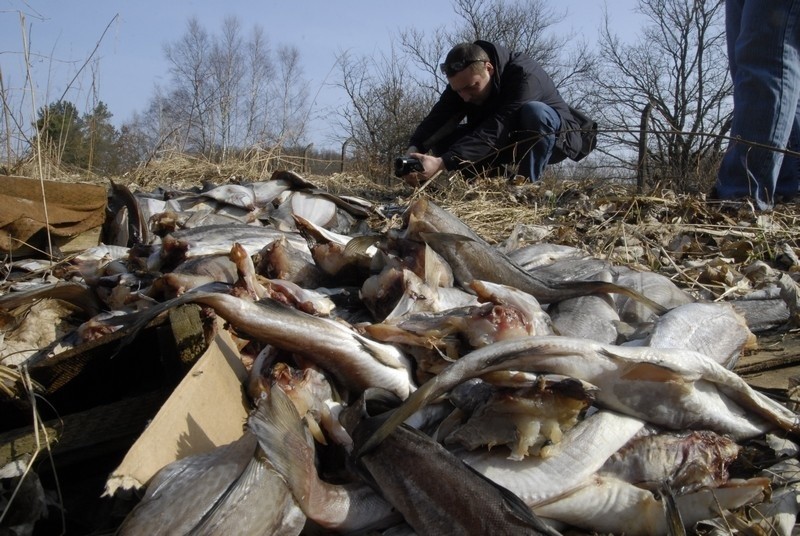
(86, 429)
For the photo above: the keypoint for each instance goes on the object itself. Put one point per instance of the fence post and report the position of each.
(344, 151)
(306, 166)
(641, 163)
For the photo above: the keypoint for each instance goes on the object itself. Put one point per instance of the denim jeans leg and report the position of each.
(537, 124)
(764, 56)
(789, 176)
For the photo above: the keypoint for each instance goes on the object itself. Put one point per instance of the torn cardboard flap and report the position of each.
(206, 410)
(29, 206)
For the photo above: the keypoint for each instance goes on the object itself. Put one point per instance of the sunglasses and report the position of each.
(449, 69)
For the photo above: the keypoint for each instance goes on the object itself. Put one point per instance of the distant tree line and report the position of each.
(87, 141)
(230, 94)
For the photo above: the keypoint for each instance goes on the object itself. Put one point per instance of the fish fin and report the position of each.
(296, 181)
(604, 287)
(286, 442)
(417, 400)
(650, 371)
(675, 526)
(360, 244)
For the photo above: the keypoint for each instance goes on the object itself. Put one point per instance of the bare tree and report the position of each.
(189, 68)
(228, 69)
(677, 71)
(384, 107)
(227, 94)
(521, 26)
(258, 100)
(291, 98)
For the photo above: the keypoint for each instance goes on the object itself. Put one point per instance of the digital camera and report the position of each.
(403, 165)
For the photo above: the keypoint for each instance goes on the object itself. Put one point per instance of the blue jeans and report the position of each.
(531, 142)
(764, 56)
(537, 124)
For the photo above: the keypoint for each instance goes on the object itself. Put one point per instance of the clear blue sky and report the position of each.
(130, 61)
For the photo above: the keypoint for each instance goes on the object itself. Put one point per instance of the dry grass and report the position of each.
(677, 234)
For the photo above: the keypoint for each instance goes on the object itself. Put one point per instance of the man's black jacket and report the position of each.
(517, 79)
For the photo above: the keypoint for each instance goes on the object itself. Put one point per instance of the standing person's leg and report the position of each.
(789, 176)
(537, 124)
(765, 68)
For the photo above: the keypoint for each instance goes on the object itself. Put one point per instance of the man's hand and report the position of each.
(431, 165)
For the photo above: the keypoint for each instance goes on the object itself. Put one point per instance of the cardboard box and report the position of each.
(207, 409)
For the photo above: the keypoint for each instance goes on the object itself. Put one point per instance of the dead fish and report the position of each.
(562, 467)
(354, 205)
(656, 286)
(422, 488)
(76, 294)
(498, 313)
(216, 239)
(150, 207)
(167, 222)
(587, 317)
(96, 262)
(32, 329)
(279, 260)
(574, 269)
(527, 305)
(343, 508)
(246, 272)
(192, 273)
(236, 195)
(305, 300)
(778, 514)
(522, 418)
(397, 293)
(22, 497)
(229, 490)
(313, 208)
(356, 361)
(436, 339)
(265, 192)
(713, 329)
(762, 313)
(313, 398)
(331, 254)
(436, 271)
(687, 460)
(542, 254)
(129, 224)
(609, 505)
(677, 389)
(470, 258)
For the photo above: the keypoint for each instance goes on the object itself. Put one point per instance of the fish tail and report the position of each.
(286, 441)
(675, 526)
(418, 399)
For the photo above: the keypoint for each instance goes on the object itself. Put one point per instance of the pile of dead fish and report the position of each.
(415, 379)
